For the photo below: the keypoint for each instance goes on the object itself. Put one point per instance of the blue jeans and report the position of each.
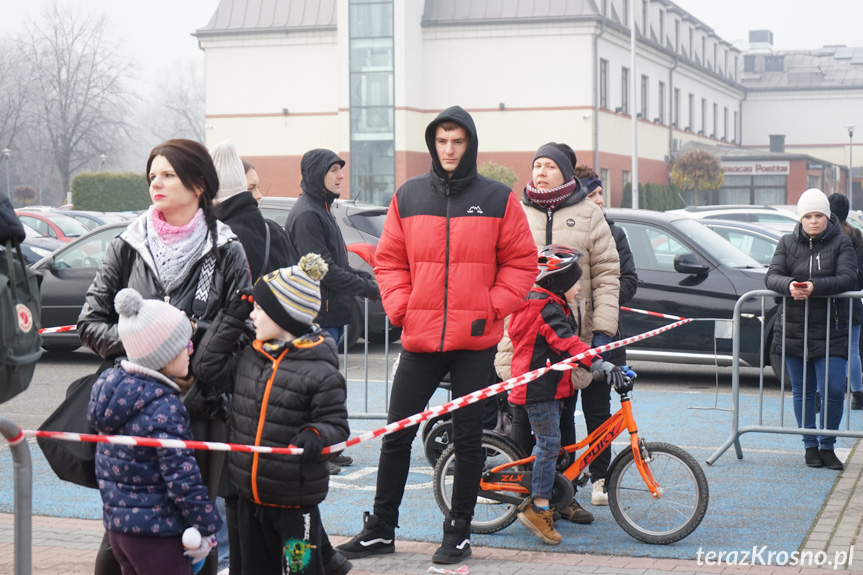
(335, 332)
(545, 421)
(856, 373)
(832, 401)
(222, 535)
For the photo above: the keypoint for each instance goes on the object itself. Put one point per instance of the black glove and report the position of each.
(240, 306)
(612, 374)
(311, 443)
(363, 274)
(373, 292)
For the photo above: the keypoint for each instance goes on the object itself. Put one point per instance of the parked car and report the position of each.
(66, 276)
(782, 220)
(755, 240)
(685, 269)
(361, 225)
(53, 224)
(92, 220)
(36, 246)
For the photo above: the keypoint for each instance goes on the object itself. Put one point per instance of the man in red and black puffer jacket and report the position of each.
(456, 257)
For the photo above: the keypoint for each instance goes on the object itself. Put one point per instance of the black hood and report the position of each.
(466, 169)
(314, 167)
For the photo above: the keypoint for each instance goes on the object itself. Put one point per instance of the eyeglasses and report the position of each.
(190, 347)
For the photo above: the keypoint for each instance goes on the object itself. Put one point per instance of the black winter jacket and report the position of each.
(280, 389)
(628, 285)
(128, 263)
(312, 228)
(829, 262)
(241, 213)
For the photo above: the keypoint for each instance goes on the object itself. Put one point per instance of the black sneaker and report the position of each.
(376, 538)
(342, 460)
(333, 468)
(337, 565)
(456, 542)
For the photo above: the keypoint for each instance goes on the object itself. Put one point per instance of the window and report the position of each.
(645, 17)
(606, 185)
(691, 126)
(703, 116)
(736, 62)
(624, 90)
(813, 182)
(661, 102)
(677, 35)
(715, 132)
(605, 7)
(725, 124)
(625, 12)
(691, 43)
(725, 67)
(626, 179)
(645, 86)
(662, 27)
(734, 127)
(749, 63)
(675, 113)
(603, 84)
(704, 50)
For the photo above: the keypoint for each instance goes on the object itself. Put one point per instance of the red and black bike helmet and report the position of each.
(558, 267)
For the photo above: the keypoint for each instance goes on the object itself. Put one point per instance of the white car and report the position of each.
(781, 220)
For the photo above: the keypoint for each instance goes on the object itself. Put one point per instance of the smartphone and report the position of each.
(799, 284)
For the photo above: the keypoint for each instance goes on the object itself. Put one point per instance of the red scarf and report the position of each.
(550, 199)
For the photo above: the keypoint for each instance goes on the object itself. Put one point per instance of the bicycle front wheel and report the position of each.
(490, 515)
(670, 517)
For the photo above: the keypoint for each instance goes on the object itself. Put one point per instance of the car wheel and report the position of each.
(60, 348)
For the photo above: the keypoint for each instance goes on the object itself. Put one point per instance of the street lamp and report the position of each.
(850, 165)
(6, 152)
(102, 158)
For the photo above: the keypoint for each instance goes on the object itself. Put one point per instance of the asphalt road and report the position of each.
(56, 371)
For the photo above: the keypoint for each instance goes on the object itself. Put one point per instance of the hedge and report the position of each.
(110, 192)
(657, 197)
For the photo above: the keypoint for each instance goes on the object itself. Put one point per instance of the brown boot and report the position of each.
(540, 523)
(575, 513)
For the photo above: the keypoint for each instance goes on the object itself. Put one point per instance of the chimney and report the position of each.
(777, 143)
(760, 42)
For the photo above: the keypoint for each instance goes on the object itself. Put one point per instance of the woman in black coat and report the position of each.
(816, 259)
(180, 253)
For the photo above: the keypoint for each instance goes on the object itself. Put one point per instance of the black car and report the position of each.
(361, 225)
(685, 269)
(753, 239)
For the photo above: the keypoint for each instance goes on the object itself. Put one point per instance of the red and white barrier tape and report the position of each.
(65, 328)
(415, 419)
(653, 313)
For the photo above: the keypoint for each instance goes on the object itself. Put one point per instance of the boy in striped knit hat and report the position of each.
(287, 391)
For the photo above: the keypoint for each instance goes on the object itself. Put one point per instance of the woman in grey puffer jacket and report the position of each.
(816, 259)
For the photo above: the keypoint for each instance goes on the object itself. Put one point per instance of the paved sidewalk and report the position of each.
(68, 546)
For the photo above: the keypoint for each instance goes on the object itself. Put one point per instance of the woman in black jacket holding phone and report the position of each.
(816, 259)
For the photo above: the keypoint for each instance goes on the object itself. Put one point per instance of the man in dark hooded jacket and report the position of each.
(456, 257)
(312, 228)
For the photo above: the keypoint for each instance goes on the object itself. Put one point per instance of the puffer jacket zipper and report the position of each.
(549, 225)
(262, 418)
(446, 270)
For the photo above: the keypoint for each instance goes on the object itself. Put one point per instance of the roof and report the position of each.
(827, 67)
(441, 12)
(738, 154)
(255, 16)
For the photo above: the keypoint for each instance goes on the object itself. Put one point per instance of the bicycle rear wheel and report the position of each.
(490, 515)
(670, 517)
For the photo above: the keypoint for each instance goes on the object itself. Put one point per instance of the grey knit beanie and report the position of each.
(153, 332)
(292, 296)
(229, 167)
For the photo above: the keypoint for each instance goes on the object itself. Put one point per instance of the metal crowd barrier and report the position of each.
(23, 478)
(760, 426)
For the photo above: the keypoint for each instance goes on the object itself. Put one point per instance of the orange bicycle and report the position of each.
(657, 492)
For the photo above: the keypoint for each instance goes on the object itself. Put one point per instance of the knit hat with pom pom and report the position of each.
(153, 332)
(292, 296)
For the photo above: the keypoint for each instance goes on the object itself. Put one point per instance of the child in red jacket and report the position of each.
(544, 330)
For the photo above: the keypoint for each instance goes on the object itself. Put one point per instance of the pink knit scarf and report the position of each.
(173, 234)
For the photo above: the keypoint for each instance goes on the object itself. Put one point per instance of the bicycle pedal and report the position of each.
(582, 479)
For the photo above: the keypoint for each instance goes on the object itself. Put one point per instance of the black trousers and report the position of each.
(415, 381)
(277, 540)
(596, 404)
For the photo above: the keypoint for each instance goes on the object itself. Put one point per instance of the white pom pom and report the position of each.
(128, 302)
(191, 538)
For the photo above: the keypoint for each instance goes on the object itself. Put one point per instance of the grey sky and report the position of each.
(796, 24)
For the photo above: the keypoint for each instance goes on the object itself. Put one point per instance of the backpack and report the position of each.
(20, 309)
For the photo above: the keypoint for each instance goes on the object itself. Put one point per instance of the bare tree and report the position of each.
(78, 94)
(14, 84)
(178, 110)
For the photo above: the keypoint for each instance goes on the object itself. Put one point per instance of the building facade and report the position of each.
(364, 78)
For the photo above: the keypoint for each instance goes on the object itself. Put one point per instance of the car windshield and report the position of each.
(71, 228)
(715, 245)
(369, 221)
